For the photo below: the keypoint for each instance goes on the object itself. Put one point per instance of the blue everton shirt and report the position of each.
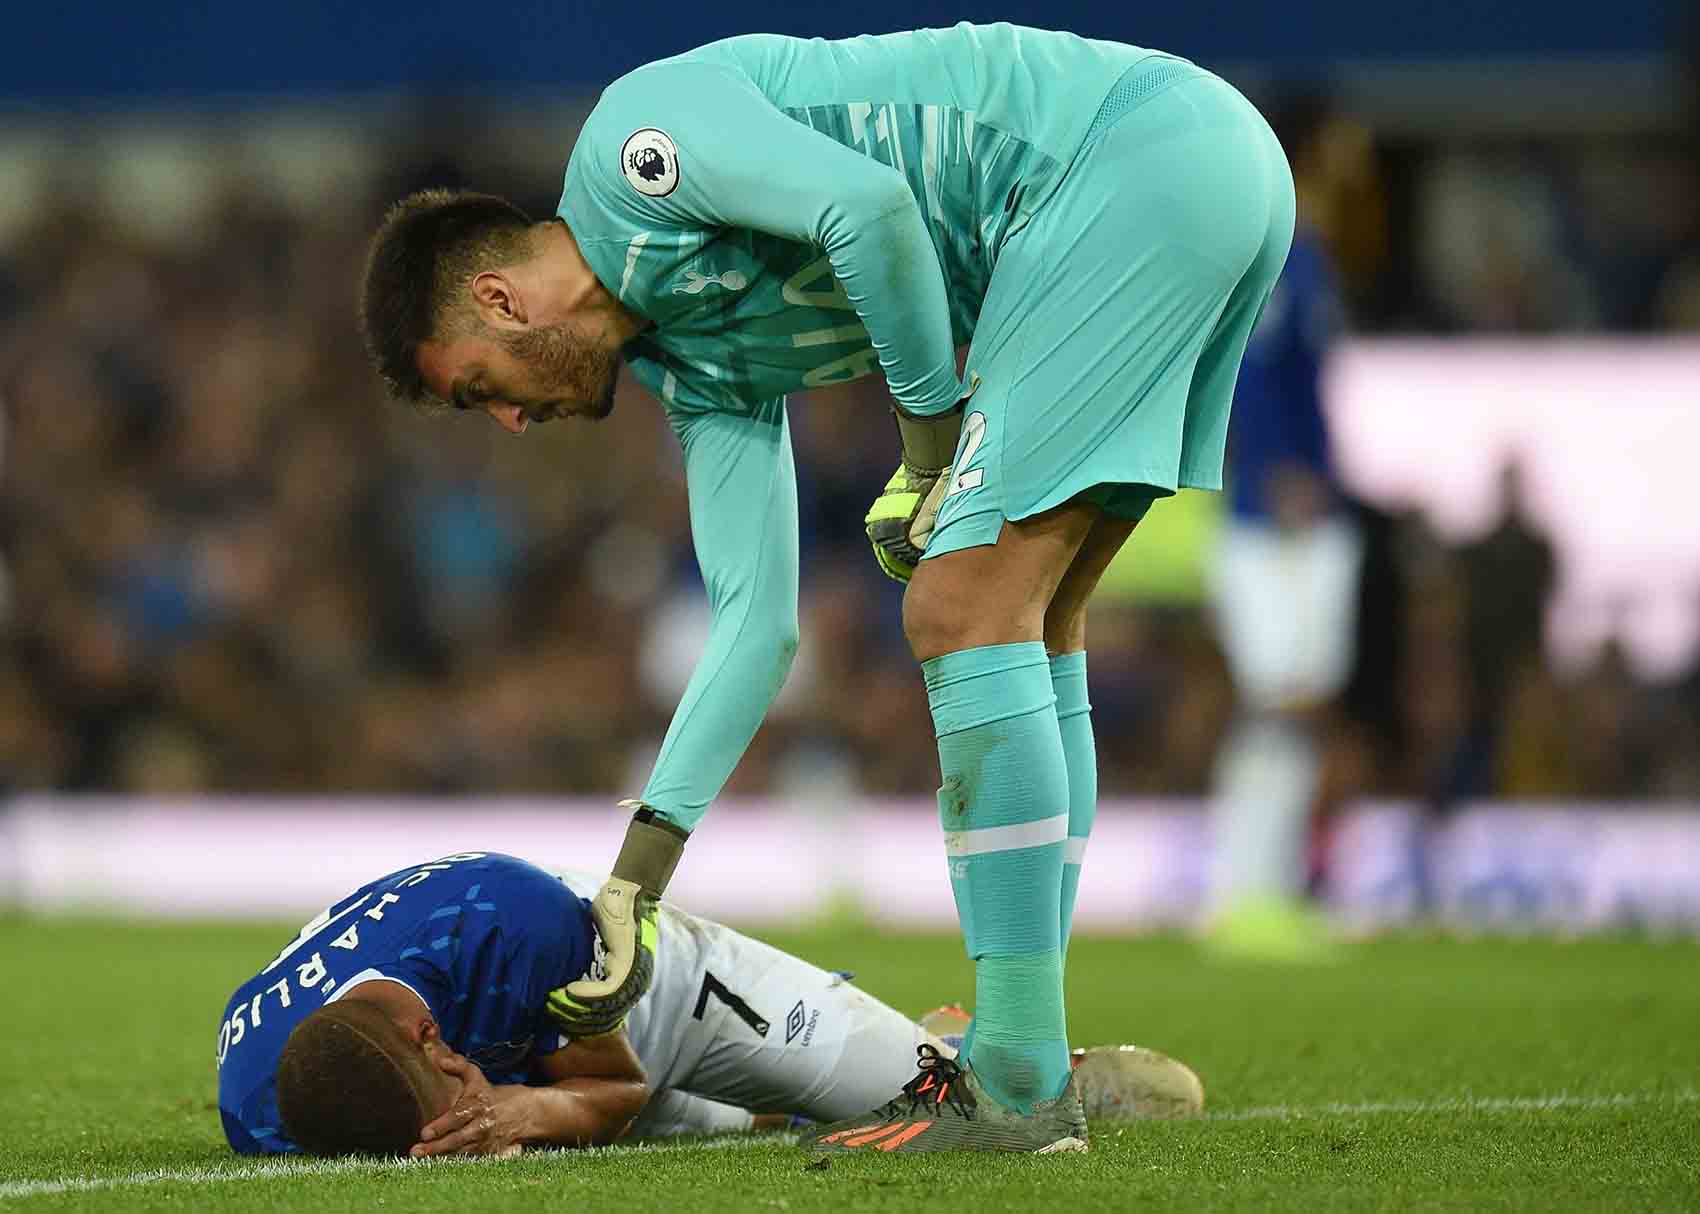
(1277, 416)
(482, 938)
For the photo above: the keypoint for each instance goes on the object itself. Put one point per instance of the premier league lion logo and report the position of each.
(649, 162)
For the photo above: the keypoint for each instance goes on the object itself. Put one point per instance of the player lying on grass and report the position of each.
(412, 1015)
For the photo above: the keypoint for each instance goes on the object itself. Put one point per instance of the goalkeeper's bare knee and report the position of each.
(995, 594)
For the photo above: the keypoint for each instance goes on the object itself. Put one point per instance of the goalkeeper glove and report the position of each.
(900, 522)
(626, 912)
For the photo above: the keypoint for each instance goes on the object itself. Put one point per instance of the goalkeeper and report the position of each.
(1098, 223)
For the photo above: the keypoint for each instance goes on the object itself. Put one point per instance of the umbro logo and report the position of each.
(801, 1020)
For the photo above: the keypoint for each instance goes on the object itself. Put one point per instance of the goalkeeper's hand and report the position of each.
(628, 929)
(626, 913)
(900, 522)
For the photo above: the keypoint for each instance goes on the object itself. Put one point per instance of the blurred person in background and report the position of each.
(1508, 577)
(1286, 569)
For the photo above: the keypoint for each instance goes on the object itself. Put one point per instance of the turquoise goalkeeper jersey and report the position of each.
(793, 214)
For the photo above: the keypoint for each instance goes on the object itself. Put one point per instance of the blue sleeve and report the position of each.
(560, 945)
(1278, 418)
(745, 164)
(743, 499)
(1317, 324)
(243, 1143)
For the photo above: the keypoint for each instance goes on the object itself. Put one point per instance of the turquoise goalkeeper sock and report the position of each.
(1004, 808)
(1074, 719)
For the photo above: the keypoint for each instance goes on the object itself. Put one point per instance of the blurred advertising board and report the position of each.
(1601, 434)
(1493, 866)
(1520, 867)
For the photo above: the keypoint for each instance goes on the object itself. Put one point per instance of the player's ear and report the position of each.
(423, 1031)
(497, 299)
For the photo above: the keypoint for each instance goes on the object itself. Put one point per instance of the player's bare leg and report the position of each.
(1064, 629)
(1065, 617)
(1126, 1081)
(975, 618)
(1065, 641)
(995, 610)
(996, 594)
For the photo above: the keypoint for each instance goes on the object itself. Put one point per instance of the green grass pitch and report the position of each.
(1423, 1073)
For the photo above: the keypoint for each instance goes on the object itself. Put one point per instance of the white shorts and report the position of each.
(732, 1026)
(1286, 610)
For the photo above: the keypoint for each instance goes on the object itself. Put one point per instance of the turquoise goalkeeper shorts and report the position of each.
(1116, 319)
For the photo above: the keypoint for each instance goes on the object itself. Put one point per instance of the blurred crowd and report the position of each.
(228, 564)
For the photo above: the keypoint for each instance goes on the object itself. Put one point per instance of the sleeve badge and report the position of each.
(650, 162)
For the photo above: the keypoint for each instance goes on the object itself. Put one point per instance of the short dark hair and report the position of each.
(429, 245)
(350, 1083)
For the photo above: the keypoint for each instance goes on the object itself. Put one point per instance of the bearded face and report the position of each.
(561, 373)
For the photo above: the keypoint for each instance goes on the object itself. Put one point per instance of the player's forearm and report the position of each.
(580, 1112)
(596, 1085)
(744, 524)
(740, 673)
(881, 253)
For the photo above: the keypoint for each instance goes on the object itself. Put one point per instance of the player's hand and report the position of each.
(484, 1119)
(900, 522)
(626, 914)
(628, 927)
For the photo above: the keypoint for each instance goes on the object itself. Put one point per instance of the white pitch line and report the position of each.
(1461, 1104)
(283, 1168)
(279, 1169)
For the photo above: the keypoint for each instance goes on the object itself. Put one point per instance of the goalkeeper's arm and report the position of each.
(743, 496)
(743, 500)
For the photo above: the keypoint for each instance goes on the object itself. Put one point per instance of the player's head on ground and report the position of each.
(468, 304)
(361, 1076)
